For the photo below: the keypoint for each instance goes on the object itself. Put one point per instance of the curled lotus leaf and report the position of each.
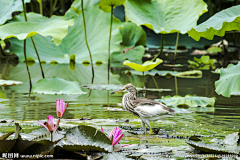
(106, 5)
(228, 83)
(165, 16)
(218, 24)
(56, 27)
(146, 66)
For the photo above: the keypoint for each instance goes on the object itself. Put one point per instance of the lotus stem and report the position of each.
(109, 42)
(53, 7)
(85, 33)
(25, 16)
(25, 56)
(51, 133)
(41, 8)
(210, 8)
(38, 57)
(62, 4)
(175, 53)
(161, 49)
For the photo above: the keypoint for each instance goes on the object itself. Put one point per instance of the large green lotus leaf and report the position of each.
(189, 100)
(86, 138)
(8, 7)
(74, 43)
(133, 35)
(77, 7)
(81, 73)
(105, 5)
(218, 24)
(56, 27)
(56, 85)
(146, 66)
(133, 54)
(165, 16)
(228, 83)
(9, 82)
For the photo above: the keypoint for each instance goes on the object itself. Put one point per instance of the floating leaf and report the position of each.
(164, 16)
(154, 72)
(147, 65)
(228, 83)
(86, 138)
(213, 50)
(8, 7)
(9, 82)
(205, 60)
(189, 100)
(6, 135)
(56, 27)
(226, 146)
(218, 24)
(56, 85)
(74, 43)
(105, 5)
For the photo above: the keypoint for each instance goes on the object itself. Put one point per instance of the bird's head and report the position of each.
(127, 88)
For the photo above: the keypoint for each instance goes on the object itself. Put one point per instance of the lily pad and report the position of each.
(154, 72)
(56, 27)
(8, 7)
(226, 146)
(86, 138)
(218, 24)
(164, 16)
(147, 65)
(105, 5)
(9, 82)
(188, 100)
(56, 85)
(73, 45)
(228, 83)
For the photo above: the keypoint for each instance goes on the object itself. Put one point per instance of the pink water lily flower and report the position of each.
(115, 135)
(50, 124)
(60, 107)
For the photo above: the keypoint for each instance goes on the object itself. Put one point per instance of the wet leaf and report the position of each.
(218, 24)
(86, 138)
(74, 43)
(6, 135)
(105, 5)
(146, 66)
(226, 146)
(9, 82)
(214, 50)
(56, 85)
(205, 60)
(8, 7)
(189, 100)
(56, 27)
(164, 16)
(228, 83)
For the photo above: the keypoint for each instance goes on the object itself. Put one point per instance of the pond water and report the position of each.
(104, 110)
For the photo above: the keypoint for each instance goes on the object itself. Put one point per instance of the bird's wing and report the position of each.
(151, 110)
(147, 103)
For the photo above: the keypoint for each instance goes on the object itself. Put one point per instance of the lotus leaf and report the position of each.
(106, 5)
(146, 66)
(154, 72)
(86, 138)
(56, 27)
(165, 16)
(213, 50)
(74, 42)
(189, 100)
(228, 83)
(218, 24)
(56, 85)
(9, 82)
(8, 7)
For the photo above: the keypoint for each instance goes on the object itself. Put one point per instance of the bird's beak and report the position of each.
(120, 90)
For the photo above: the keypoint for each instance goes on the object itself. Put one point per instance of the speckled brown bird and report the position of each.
(144, 108)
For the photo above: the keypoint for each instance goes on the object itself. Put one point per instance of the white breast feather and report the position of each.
(150, 110)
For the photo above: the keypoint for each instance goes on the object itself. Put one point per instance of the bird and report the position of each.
(144, 108)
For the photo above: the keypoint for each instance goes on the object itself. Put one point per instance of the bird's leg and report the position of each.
(148, 124)
(144, 127)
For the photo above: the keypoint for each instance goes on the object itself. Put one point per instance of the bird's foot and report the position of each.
(151, 131)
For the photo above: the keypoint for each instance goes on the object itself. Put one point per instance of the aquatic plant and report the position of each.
(49, 124)
(60, 107)
(115, 135)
